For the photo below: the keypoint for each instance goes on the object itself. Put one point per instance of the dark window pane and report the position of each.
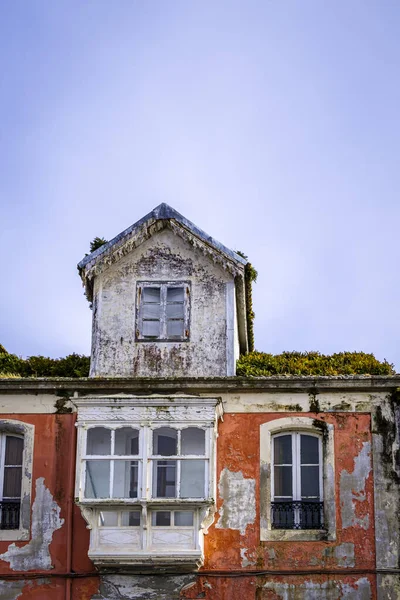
(165, 441)
(151, 329)
(14, 448)
(175, 329)
(130, 518)
(12, 482)
(283, 450)
(161, 518)
(193, 441)
(126, 441)
(97, 479)
(309, 450)
(164, 475)
(183, 518)
(175, 294)
(151, 294)
(309, 482)
(283, 481)
(99, 441)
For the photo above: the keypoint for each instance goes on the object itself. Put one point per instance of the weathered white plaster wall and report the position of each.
(163, 257)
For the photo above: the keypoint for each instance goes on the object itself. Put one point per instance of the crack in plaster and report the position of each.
(123, 587)
(352, 489)
(329, 590)
(45, 521)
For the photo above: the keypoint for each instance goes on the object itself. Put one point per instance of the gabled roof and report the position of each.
(160, 213)
(161, 217)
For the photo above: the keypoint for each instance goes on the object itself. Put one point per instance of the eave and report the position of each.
(198, 385)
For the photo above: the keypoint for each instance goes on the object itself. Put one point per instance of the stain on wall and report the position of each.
(163, 257)
(45, 521)
(238, 509)
(352, 489)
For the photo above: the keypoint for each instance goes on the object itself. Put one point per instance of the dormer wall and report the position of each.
(210, 345)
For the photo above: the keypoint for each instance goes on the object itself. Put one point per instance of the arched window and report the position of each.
(297, 480)
(16, 452)
(11, 450)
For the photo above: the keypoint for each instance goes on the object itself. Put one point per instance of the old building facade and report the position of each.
(163, 475)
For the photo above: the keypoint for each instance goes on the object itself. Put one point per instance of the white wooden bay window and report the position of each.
(145, 478)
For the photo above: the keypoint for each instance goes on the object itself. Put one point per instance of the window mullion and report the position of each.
(296, 467)
(178, 478)
(163, 311)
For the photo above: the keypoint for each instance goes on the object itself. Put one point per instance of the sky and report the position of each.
(273, 125)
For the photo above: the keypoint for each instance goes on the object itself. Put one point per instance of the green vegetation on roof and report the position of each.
(250, 277)
(261, 364)
(97, 242)
(73, 365)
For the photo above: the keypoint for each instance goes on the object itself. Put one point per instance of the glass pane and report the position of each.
(283, 450)
(108, 519)
(174, 328)
(151, 311)
(151, 329)
(193, 441)
(12, 482)
(99, 441)
(161, 518)
(283, 481)
(130, 518)
(309, 450)
(14, 448)
(183, 518)
(175, 311)
(151, 294)
(175, 294)
(309, 482)
(126, 441)
(125, 479)
(97, 479)
(164, 478)
(192, 478)
(165, 441)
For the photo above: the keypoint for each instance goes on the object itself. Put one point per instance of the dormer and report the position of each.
(167, 299)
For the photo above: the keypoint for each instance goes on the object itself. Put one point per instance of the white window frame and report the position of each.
(163, 286)
(128, 547)
(9, 427)
(296, 468)
(146, 460)
(309, 426)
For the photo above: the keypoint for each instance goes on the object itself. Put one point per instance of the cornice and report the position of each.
(213, 386)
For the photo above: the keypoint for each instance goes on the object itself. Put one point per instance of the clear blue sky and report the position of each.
(272, 125)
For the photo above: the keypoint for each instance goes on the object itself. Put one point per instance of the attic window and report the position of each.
(162, 311)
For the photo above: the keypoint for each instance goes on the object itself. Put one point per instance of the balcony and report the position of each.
(9, 514)
(297, 514)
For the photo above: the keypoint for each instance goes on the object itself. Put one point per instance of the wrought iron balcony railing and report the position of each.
(297, 515)
(9, 514)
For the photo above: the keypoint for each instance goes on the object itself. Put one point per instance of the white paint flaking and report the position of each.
(239, 505)
(45, 521)
(352, 489)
